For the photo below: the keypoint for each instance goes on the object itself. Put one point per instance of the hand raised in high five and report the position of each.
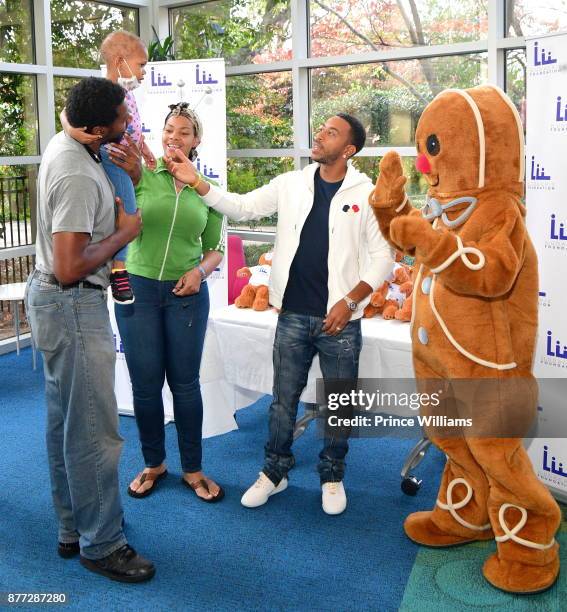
(389, 191)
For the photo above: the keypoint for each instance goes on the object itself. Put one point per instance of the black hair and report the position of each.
(94, 102)
(357, 131)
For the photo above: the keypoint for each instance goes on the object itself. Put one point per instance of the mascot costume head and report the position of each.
(474, 330)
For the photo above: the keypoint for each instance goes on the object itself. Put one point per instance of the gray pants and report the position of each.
(71, 328)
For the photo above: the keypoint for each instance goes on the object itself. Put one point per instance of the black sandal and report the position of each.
(202, 484)
(149, 477)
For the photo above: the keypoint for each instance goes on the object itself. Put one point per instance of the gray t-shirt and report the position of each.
(74, 195)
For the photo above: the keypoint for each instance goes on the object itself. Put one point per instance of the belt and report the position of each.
(51, 279)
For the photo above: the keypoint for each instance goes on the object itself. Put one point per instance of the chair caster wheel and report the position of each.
(411, 485)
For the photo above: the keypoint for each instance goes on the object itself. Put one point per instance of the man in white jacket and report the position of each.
(329, 256)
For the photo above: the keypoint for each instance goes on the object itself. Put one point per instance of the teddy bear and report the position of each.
(473, 330)
(255, 293)
(391, 299)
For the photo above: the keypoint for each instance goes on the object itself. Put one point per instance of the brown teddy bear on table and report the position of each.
(255, 294)
(475, 320)
(392, 298)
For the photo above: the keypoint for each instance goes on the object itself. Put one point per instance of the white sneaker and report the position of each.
(334, 497)
(258, 493)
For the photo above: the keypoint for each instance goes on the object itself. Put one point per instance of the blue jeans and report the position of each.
(298, 339)
(123, 188)
(72, 329)
(163, 336)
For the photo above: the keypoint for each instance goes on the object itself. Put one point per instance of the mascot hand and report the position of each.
(389, 191)
(413, 232)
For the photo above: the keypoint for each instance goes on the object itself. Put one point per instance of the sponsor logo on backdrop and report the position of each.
(544, 300)
(206, 169)
(160, 83)
(554, 352)
(552, 467)
(559, 114)
(557, 236)
(539, 179)
(543, 61)
(118, 346)
(204, 78)
(205, 81)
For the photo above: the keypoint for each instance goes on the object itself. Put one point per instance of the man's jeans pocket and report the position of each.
(49, 327)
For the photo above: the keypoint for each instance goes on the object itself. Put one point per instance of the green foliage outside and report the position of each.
(78, 28)
(160, 50)
(389, 98)
(246, 174)
(253, 250)
(16, 44)
(238, 30)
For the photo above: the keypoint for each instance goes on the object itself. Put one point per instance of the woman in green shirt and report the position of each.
(163, 331)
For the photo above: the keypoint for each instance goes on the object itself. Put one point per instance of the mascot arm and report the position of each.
(389, 199)
(487, 267)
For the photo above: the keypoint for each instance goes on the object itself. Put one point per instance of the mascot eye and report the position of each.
(433, 145)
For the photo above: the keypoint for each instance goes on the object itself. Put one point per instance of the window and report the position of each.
(248, 173)
(533, 17)
(78, 28)
(16, 40)
(354, 26)
(18, 115)
(516, 80)
(259, 111)
(17, 201)
(241, 31)
(389, 97)
(17, 198)
(416, 187)
(62, 86)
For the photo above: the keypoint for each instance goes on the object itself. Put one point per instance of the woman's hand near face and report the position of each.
(181, 167)
(126, 157)
(189, 283)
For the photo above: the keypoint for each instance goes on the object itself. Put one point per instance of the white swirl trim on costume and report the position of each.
(414, 296)
(462, 252)
(453, 507)
(510, 534)
(463, 351)
(401, 206)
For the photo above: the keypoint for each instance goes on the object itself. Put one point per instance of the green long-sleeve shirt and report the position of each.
(177, 228)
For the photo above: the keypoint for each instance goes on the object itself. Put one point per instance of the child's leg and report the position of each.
(119, 279)
(125, 191)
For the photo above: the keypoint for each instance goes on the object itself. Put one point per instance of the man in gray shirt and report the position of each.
(78, 233)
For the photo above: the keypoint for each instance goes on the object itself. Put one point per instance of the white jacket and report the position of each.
(357, 250)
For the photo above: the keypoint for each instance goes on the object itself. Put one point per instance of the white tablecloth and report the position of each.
(236, 367)
(237, 359)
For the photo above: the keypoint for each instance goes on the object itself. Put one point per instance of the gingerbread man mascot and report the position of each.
(475, 320)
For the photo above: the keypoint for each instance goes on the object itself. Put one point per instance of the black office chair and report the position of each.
(310, 413)
(410, 483)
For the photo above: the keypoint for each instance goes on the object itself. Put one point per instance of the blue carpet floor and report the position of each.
(287, 555)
